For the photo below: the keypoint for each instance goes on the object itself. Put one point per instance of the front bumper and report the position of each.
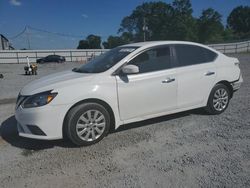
(44, 122)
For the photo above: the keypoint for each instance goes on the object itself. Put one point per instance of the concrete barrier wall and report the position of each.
(19, 56)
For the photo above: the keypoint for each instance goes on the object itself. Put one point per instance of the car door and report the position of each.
(49, 58)
(196, 74)
(151, 91)
(54, 58)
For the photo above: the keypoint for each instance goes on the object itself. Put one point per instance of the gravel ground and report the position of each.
(189, 149)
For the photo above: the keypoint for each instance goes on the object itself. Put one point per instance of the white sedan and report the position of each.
(129, 83)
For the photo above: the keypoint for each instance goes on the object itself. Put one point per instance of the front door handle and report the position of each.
(168, 80)
(209, 73)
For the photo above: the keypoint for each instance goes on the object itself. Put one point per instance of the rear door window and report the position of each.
(192, 55)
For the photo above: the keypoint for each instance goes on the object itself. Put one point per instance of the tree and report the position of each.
(127, 37)
(83, 44)
(163, 21)
(239, 21)
(228, 35)
(105, 45)
(91, 42)
(210, 28)
(113, 41)
(184, 26)
(94, 41)
(183, 6)
(159, 21)
(156, 16)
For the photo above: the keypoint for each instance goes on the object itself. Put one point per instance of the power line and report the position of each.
(55, 33)
(30, 33)
(44, 31)
(19, 34)
(26, 28)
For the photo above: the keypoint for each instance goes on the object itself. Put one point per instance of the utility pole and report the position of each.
(144, 28)
(28, 37)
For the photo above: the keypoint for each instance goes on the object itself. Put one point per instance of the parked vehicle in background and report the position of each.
(51, 59)
(129, 83)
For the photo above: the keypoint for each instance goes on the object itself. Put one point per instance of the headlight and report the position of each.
(39, 99)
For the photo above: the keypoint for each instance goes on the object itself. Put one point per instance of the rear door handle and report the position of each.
(209, 73)
(168, 80)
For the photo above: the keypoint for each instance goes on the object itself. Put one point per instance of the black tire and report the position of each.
(72, 118)
(211, 104)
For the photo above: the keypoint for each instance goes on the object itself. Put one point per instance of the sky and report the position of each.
(78, 19)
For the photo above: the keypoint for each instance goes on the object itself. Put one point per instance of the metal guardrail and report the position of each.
(19, 56)
(237, 47)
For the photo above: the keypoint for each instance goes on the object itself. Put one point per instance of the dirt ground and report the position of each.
(188, 149)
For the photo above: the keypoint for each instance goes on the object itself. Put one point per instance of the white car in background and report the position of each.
(129, 83)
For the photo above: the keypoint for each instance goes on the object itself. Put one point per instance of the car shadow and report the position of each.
(8, 132)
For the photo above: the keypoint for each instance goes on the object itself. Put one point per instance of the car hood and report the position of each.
(55, 81)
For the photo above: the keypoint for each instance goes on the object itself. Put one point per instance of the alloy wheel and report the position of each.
(90, 125)
(220, 99)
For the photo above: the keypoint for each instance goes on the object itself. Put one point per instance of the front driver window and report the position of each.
(153, 60)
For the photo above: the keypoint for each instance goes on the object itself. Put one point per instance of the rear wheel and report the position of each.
(218, 100)
(87, 124)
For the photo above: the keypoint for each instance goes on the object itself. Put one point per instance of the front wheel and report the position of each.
(87, 124)
(218, 100)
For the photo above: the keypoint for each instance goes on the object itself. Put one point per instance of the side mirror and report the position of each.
(130, 69)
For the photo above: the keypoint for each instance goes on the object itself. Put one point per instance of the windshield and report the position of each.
(105, 61)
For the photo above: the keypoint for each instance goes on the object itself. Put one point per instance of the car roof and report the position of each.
(52, 55)
(154, 43)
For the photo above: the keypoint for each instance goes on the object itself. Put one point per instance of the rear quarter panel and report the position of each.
(226, 69)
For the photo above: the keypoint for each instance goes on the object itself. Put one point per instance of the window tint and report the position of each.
(153, 60)
(191, 55)
(49, 57)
